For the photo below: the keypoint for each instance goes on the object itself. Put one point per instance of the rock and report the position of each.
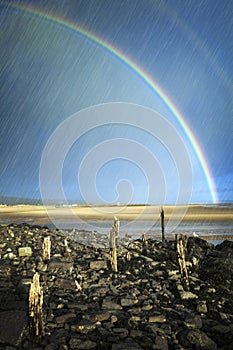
(63, 347)
(24, 285)
(126, 302)
(109, 304)
(58, 265)
(100, 317)
(65, 317)
(98, 265)
(114, 319)
(12, 325)
(5, 270)
(10, 256)
(223, 316)
(221, 329)
(26, 281)
(127, 345)
(51, 346)
(81, 307)
(147, 307)
(153, 328)
(103, 332)
(65, 283)
(196, 339)
(193, 321)
(157, 319)
(76, 343)
(226, 247)
(86, 345)
(222, 335)
(83, 327)
(135, 333)
(187, 295)
(122, 332)
(25, 251)
(201, 307)
(196, 250)
(161, 343)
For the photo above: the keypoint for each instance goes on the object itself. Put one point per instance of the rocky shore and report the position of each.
(87, 306)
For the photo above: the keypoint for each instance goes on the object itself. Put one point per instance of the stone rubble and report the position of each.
(87, 306)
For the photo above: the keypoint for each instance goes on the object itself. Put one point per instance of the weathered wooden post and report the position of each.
(113, 234)
(144, 239)
(181, 241)
(116, 225)
(35, 305)
(144, 243)
(162, 223)
(46, 247)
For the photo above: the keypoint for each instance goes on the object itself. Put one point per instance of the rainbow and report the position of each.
(137, 70)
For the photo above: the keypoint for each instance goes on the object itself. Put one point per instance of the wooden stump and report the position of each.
(181, 241)
(46, 247)
(113, 234)
(144, 241)
(35, 305)
(162, 224)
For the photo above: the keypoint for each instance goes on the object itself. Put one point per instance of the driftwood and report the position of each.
(35, 305)
(113, 234)
(181, 242)
(46, 247)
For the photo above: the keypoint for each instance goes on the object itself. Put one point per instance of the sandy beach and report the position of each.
(41, 214)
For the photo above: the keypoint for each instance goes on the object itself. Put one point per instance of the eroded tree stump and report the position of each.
(181, 242)
(35, 305)
(113, 234)
(46, 247)
(162, 224)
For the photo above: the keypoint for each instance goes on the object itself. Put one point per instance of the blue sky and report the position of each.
(48, 73)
